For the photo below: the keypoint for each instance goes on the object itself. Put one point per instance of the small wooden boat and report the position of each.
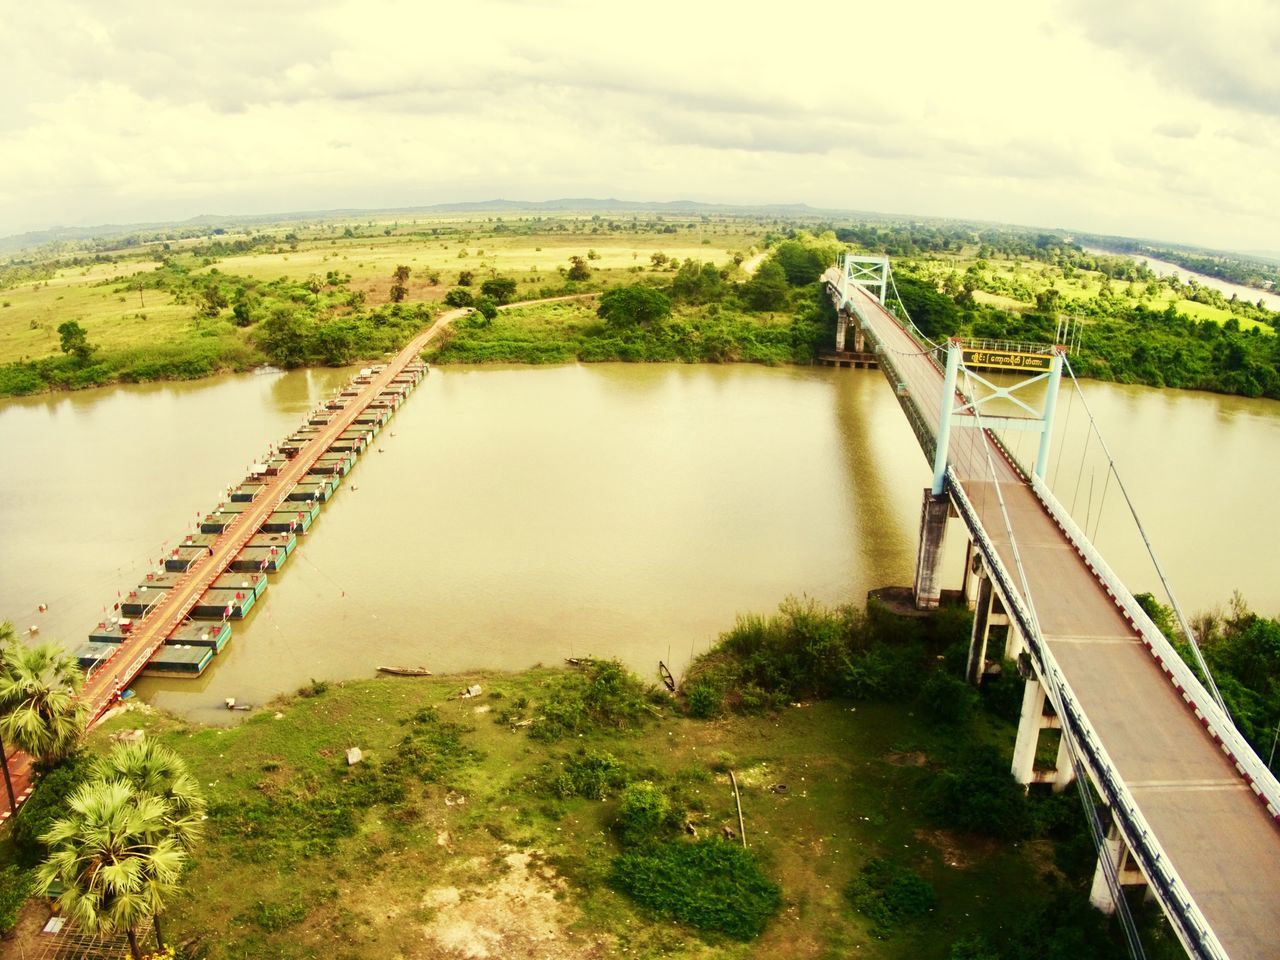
(667, 679)
(406, 671)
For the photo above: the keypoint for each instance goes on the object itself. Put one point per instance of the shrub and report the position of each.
(592, 774)
(15, 884)
(947, 699)
(602, 694)
(458, 297)
(980, 795)
(432, 749)
(45, 805)
(889, 894)
(642, 813)
(705, 699)
(710, 885)
(316, 688)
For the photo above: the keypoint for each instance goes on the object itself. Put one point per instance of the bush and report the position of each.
(458, 297)
(15, 885)
(45, 805)
(705, 700)
(592, 774)
(980, 795)
(432, 749)
(602, 694)
(947, 699)
(709, 884)
(643, 811)
(889, 895)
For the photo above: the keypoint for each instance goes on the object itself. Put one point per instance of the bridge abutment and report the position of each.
(933, 529)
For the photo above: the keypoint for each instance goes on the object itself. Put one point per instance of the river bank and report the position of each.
(498, 846)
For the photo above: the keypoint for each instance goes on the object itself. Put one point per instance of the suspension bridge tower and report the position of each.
(871, 274)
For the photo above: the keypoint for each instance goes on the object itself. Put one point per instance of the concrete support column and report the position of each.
(1029, 725)
(1128, 873)
(968, 580)
(1100, 892)
(981, 631)
(933, 527)
(1014, 645)
(1065, 774)
(842, 326)
(859, 339)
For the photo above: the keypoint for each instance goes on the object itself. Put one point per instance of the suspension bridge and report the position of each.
(1186, 807)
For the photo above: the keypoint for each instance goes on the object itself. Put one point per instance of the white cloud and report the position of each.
(1000, 110)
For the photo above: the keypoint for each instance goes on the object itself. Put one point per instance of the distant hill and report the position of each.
(62, 234)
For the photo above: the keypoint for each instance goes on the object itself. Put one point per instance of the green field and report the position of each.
(120, 320)
(301, 860)
(165, 305)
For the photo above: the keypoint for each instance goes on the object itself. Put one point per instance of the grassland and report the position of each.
(328, 287)
(1025, 278)
(119, 318)
(323, 293)
(486, 857)
(568, 331)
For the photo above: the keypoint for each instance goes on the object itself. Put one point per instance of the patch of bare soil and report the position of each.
(915, 759)
(958, 851)
(25, 939)
(516, 914)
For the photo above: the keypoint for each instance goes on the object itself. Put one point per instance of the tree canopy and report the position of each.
(636, 305)
(39, 711)
(499, 289)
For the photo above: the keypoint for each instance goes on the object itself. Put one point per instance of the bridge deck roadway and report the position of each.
(1218, 836)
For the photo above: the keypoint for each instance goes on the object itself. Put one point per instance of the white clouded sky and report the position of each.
(1157, 118)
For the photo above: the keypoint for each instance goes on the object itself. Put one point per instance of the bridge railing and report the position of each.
(890, 366)
(1188, 921)
(1255, 773)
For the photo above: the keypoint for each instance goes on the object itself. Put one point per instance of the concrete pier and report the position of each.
(933, 528)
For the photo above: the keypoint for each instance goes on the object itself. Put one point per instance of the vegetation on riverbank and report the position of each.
(336, 292)
(1242, 649)
(1262, 274)
(582, 813)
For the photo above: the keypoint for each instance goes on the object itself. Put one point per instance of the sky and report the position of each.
(1148, 118)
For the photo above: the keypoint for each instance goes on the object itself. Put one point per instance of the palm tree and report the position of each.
(39, 710)
(113, 859)
(153, 770)
(7, 639)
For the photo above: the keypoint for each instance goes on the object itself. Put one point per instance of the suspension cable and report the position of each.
(1188, 633)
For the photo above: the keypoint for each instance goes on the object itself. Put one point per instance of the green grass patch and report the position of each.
(709, 884)
(890, 894)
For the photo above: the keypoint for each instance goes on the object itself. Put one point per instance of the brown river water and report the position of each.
(509, 516)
